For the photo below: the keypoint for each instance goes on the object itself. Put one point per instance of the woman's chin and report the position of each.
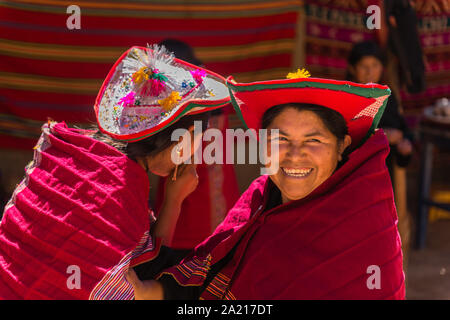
(294, 197)
(294, 191)
(160, 173)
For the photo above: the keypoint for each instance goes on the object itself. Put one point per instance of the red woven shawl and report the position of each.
(340, 242)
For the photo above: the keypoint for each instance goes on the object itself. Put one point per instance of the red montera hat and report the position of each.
(360, 104)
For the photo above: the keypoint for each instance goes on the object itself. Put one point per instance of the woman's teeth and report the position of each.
(296, 172)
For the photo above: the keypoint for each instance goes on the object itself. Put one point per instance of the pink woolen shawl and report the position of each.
(81, 211)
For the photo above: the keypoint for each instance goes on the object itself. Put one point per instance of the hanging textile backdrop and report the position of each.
(333, 26)
(47, 70)
(434, 30)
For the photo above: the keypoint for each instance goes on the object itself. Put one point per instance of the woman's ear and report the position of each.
(343, 145)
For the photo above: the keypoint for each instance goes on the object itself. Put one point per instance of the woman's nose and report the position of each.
(297, 150)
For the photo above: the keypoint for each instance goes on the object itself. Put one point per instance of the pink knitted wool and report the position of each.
(81, 208)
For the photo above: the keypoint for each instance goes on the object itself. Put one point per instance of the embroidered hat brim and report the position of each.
(128, 109)
(361, 105)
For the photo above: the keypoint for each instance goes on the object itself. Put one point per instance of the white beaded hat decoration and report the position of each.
(148, 89)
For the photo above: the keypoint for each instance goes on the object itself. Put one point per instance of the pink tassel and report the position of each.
(128, 99)
(198, 75)
(157, 87)
(153, 87)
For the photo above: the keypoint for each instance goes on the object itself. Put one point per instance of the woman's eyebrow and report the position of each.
(310, 134)
(279, 132)
(315, 133)
(284, 133)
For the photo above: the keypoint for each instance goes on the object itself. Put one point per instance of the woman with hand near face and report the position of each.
(81, 214)
(323, 226)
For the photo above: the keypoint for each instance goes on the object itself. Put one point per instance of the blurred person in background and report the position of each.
(366, 64)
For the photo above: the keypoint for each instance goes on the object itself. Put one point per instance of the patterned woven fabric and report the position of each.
(332, 27)
(47, 70)
(434, 32)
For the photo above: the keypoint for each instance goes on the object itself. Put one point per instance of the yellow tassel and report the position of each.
(300, 73)
(171, 101)
(141, 75)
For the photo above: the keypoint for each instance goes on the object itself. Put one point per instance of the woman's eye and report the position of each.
(313, 140)
(279, 139)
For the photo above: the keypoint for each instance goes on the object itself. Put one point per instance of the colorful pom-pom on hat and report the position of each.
(148, 89)
(361, 105)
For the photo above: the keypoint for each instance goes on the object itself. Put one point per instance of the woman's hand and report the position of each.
(174, 194)
(394, 136)
(186, 182)
(145, 290)
(405, 147)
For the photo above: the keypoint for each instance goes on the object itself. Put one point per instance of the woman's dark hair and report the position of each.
(364, 49)
(181, 50)
(332, 120)
(154, 144)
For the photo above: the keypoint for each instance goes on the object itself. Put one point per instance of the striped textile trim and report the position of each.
(195, 267)
(190, 273)
(229, 295)
(218, 286)
(114, 285)
(185, 274)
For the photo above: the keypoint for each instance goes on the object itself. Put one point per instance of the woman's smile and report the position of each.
(297, 173)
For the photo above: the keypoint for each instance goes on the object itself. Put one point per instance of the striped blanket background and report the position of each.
(47, 70)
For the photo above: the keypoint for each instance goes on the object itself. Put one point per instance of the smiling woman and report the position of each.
(315, 229)
(311, 143)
